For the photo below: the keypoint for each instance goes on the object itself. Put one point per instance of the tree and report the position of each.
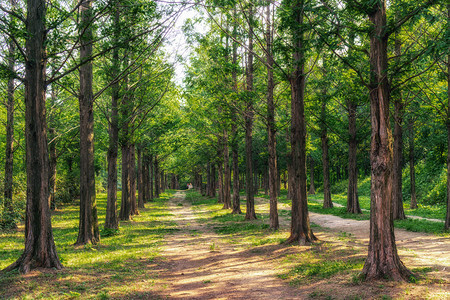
(88, 231)
(40, 250)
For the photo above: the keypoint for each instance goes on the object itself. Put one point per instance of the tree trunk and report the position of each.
(352, 193)
(132, 174)
(157, 178)
(88, 227)
(382, 260)
(312, 189)
(271, 129)
(447, 217)
(300, 228)
(213, 180)
(9, 154)
(327, 203)
(52, 168)
(125, 205)
(140, 179)
(226, 174)
(111, 219)
(40, 250)
(412, 172)
(397, 195)
(151, 176)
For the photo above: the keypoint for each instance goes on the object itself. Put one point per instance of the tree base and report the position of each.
(25, 264)
(301, 239)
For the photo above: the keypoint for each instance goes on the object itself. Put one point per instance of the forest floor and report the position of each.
(204, 259)
(187, 247)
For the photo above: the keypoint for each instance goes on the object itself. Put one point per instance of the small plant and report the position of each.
(213, 247)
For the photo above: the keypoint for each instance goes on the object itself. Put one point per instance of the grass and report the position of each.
(93, 271)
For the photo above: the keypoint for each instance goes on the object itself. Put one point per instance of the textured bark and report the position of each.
(125, 204)
(301, 232)
(140, 179)
(397, 195)
(40, 250)
(220, 182)
(327, 203)
(412, 171)
(9, 154)
(382, 260)
(352, 193)
(226, 173)
(132, 174)
(52, 168)
(157, 177)
(250, 213)
(447, 217)
(271, 129)
(213, 180)
(111, 219)
(88, 231)
(151, 177)
(312, 189)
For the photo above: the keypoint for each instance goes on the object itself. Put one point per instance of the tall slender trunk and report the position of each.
(9, 154)
(382, 259)
(250, 213)
(132, 174)
(312, 189)
(226, 173)
(352, 193)
(111, 219)
(157, 177)
(52, 168)
(300, 227)
(40, 250)
(271, 126)
(397, 195)
(327, 203)
(88, 227)
(447, 217)
(412, 172)
(151, 176)
(220, 185)
(125, 204)
(140, 179)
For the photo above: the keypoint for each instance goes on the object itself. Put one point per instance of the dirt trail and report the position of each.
(199, 266)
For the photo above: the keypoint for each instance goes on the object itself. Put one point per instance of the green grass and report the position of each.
(102, 269)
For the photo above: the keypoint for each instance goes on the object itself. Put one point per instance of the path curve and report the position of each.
(199, 266)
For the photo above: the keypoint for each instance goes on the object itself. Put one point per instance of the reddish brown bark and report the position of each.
(271, 129)
(397, 195)
(352, 192)
(40, 250)
(447, 217)
(140, 179)
(88, 231)
(301, 232)
(382, 259)
(327, 203)
(412, 171)
(250, 213)
(125, 204)
(226, 173)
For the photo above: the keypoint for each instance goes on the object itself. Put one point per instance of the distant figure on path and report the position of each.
(190, 186)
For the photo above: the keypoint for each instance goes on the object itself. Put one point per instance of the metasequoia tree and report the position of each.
(88, 231)
(447, 216)
(40, 250)
(382, 260)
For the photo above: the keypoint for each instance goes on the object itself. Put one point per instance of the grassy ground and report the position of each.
(92, 272)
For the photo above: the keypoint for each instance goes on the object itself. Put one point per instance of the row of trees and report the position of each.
(297, 74)
(108, 55)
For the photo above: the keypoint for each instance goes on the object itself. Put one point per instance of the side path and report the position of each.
(198, 266)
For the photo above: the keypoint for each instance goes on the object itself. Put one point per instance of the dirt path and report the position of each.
(199, 266)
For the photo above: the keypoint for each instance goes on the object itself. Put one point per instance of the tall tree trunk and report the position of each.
(40, 250)
(382, 260)
(300, 228)
(52, 168)
(151, 176)
(9, 154)
(208, 179)
(312, 189)
(213, 180)
(88, 231)
(140, 179)
(397, 195)
(220, 179)
(327, 203)
(352, 193)
(157, 177)
(250, 213)
(412, 172)
(271, 129)
(132, 173)
(226, 173)
(447, 217)
(125, 205)
(111, 219)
